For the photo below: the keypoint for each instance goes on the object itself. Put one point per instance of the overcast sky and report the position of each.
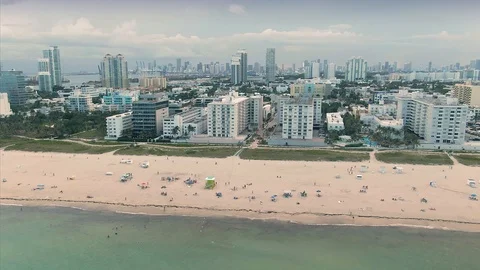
(442, 31)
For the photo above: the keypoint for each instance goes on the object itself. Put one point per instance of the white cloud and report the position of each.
(340, 26)
(81, 27)
(444, 35)
(237, 9)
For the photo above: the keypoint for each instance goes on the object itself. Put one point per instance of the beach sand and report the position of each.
(390, 199)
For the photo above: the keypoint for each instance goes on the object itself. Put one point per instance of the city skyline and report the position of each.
(431, 31)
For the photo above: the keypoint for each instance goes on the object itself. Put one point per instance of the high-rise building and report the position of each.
(315, 70)
(230, 115)
(54, 65)
(430, 66)
(13, 83)
(476, 64)
(44, 77)
(236, 74)
(395, 66)
(269, 65)
(243, 64)
(256, 67)
(179, 65)
(153, 82)
(356, 69)
(44, 81)
(407, 67)
(325, 66)
(331, 71)
(114, 71)
(386, 67)
(148, 114)
(294, 69)
(435, 119)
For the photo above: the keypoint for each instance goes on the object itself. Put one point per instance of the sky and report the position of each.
(441, 31)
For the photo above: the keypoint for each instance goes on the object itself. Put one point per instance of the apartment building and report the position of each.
(314, 101)
(255, 112)
(120, 101)
(153, 82)
(382, 109)
(148, 114)
(178, 125)
(298, 117)
(435, 119)
(227, 116)
(310, 87)
(467, 94)
(118, 124)
(80, 102)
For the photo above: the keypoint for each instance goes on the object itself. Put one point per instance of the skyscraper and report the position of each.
(407, 67)
(44, 77)
(270, 65)
(315, 70)
(330, 74)
(243, 65)
(13, 83)
(430, 66)
(325, 66)
(236, 75)
(54, 65)
(179, 64)
(356, 69)
(114, 71)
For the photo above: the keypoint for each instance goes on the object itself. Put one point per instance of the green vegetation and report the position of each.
(5, 141)
(56, 124)
(469, 160)
(219, 152)
(417, 158)
(59, 146)
(90, 134)
(306, 155)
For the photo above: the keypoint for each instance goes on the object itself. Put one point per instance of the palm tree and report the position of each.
(175, 130)
(191, 129)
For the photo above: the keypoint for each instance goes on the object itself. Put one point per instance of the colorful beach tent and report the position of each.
(210, 182)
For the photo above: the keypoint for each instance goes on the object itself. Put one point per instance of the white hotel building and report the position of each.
(117, 124)
(230, 115)
(435, 119)
(298, 119)
(195, 118)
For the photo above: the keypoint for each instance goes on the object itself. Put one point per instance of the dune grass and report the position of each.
(201, 152)
(469, 160)
(303, 155)
(416, 158)
(58, 146)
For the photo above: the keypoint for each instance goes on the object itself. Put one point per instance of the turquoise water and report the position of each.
(61, 238)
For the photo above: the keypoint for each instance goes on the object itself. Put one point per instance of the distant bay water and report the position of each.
(63, 238)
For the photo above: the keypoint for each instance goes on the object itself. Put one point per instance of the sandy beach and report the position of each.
(334, 194)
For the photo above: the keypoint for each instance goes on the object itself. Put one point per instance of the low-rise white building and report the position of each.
(382, 109)
(79, 102)
(117, 124)
(4, 105)
(335, 122)
(177, 125)
(387, 122)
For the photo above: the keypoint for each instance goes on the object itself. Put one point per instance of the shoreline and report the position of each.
(251, 189)
(301, 218)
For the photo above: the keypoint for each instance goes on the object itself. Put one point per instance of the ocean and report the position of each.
(62, 238)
